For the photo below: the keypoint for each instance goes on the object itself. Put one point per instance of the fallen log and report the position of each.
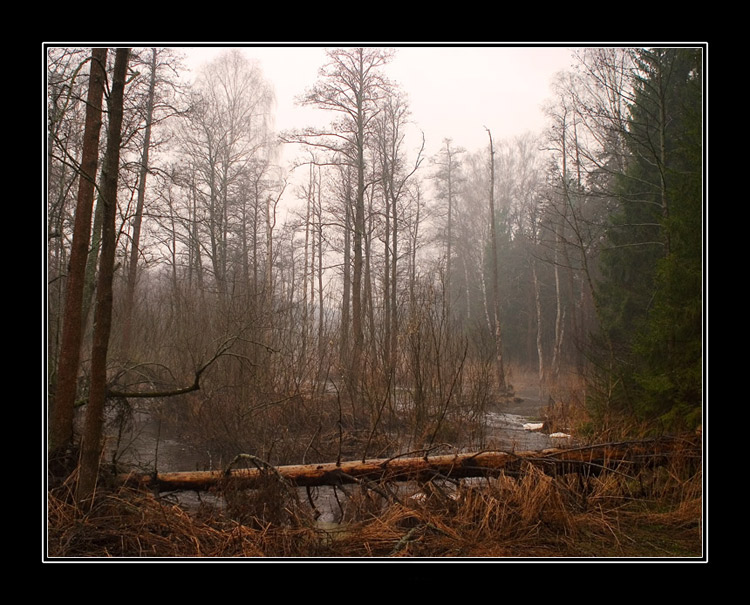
(622, 456)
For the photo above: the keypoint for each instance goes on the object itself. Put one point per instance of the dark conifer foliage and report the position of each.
(651, 290)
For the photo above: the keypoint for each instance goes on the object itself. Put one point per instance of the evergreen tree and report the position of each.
(650, 293)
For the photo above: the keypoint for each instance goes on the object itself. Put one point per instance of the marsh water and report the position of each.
(150, 444)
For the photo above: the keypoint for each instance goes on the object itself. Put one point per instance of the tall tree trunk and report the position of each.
(138, 217)
(413, 258)
(387, 279)
(308, 269)
(448, 296)
(539, 346)
(357, 275)
(347, 277)
(92, 437)
(268, 288)
(560, 245)
(467, 288)
(496, 276)
(359, 233)
(195, 264)
(89, 285)
(559, 319)
(61, 429)
(577, 313)
(368, 306)
(255, 229)
(394, 297)
(319, 230)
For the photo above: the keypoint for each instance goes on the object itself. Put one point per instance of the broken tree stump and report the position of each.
(623, 456)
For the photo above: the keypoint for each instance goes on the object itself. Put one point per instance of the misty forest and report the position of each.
(227, 302)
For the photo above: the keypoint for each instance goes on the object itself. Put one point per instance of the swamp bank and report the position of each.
(609, 507)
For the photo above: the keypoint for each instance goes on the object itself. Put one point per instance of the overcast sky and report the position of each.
(453, 91)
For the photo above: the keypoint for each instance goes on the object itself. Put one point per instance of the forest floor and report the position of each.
(655, 513)
(530, 522)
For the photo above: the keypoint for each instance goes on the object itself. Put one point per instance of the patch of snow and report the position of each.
(533, 426)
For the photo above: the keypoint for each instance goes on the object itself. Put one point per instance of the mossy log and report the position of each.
(622, 457)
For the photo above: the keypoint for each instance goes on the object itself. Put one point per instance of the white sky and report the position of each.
(453, 91)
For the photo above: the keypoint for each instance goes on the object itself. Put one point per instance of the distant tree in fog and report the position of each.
(350, 85)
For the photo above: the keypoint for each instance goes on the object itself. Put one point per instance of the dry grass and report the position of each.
(656, 513)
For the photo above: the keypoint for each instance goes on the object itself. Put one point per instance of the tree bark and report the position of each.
(61, 429)
(496, 278)
(321, 311)
(539, 345)
(347, 270)
(619, 457)
(92, 437)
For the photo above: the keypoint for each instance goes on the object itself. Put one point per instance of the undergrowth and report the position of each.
(655, 512)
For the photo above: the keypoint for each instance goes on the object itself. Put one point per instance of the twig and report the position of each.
(370, 486)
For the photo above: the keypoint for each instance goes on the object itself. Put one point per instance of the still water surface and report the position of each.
(151, 445)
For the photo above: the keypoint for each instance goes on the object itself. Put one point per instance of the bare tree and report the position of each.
(227, 133)
(67, 82)
(395, 175)
(138, 216)
(350, 85)
(447, 178)
(585, 138)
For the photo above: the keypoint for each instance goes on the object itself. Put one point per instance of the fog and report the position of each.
(453, 91)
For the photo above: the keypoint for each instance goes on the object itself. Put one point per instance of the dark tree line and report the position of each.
(652, 280)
